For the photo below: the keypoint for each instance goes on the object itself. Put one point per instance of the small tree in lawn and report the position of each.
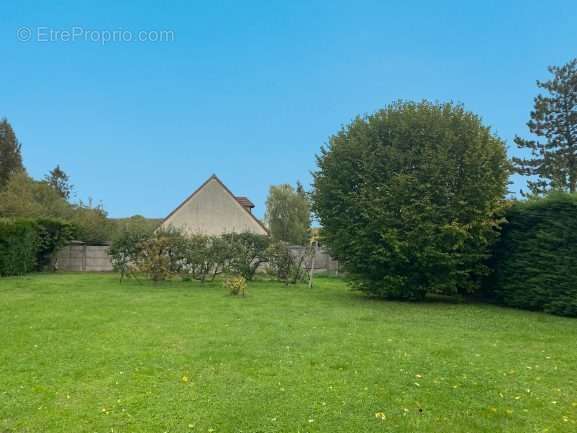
(160, 255)
(193, 263)
(126, 249)
(247, 252)
(553, 159)
(407, 196)
(219, 255)
(203, 257)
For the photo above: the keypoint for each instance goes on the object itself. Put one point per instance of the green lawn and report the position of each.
(83, 353)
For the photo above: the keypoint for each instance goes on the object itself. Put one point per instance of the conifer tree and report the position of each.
(60, 181)
(553, 160)
(10, 156)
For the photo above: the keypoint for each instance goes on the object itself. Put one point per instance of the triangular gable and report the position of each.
(213, 209)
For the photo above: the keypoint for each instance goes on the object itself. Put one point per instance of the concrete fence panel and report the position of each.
(79, 257)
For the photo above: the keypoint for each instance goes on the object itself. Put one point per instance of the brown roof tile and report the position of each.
(245, 201)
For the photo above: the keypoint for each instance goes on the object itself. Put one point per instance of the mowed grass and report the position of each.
(83, 353)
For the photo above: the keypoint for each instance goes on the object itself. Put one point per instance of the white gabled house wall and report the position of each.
(213, 210)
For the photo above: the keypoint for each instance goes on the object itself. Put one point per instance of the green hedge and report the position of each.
(26, 245)
(18, 246)
(536, 259)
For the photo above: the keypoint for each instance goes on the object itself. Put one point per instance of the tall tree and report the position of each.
(10, 155)
(288, 214)
(554, 122)
(60, 181)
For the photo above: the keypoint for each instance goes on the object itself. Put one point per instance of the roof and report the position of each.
(245, 202)
(237, 199)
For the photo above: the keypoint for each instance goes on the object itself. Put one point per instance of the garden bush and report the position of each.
(407, 199)
(170, 253)
(236, 285)
(203, 257)
(160, 256)
(247, 252)
(536, 259)
(126, 249)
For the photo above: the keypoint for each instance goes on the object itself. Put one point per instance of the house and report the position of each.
(214, 210)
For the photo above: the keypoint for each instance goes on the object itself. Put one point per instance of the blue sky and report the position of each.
(251, 90)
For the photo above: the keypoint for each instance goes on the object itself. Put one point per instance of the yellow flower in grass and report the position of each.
(381, 416)
(184, 379)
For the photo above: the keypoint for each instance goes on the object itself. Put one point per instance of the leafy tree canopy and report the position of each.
(24, 197)
(288, 214)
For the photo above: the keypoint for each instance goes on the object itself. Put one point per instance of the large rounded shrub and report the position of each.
(407, 197)
(536, 258)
